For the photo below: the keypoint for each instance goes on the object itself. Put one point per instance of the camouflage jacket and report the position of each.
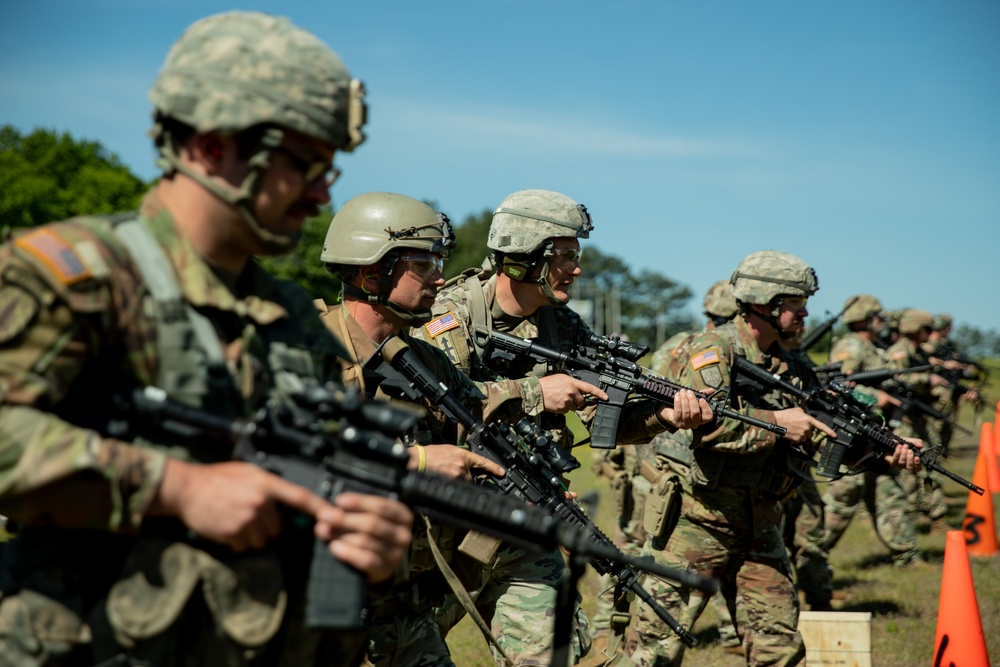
(460, 313)
(736, 454)
(905, 353)
(77, 327)
(855, 354)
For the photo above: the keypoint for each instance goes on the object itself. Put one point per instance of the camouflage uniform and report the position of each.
(673, 458)
(923, 488)
(729, 516)
(79, 325)
(522, 588)
(402, 630)
(881, 487)
(804, 521)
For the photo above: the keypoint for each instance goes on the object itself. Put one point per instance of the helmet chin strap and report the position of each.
(240, 198)
(547, 289)
(414, 318)
(772, 319)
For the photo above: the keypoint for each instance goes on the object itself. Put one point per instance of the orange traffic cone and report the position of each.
(987, 448)
(980, 530)
(959, 639)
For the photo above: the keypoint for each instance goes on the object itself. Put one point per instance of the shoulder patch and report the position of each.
(706, 358)
(17, 308)
(56, 254)
(439, 325)
(842, 356)
(899, 354)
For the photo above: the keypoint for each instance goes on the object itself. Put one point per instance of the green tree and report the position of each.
(470, 239)
(48, 176)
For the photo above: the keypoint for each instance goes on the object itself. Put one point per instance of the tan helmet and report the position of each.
(913, 320)
(380, 226)
(719, 300)
(526, 219)
(864, 306)
(370, 225)
(763, 275)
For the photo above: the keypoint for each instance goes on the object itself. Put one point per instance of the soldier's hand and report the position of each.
(369, 533)
(938, 381)
(562, 393)
(800, 425)
(233, 503)
(904, 457)
(688, 411)
(885, 399)
(452, 461)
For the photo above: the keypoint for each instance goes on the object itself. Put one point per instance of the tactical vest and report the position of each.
(555, 326)
(768, 473)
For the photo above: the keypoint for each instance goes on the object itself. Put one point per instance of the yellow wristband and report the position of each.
(421, 458)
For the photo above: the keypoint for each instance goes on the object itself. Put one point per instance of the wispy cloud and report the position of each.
(513, 130)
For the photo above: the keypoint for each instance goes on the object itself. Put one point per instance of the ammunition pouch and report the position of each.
(663, 502)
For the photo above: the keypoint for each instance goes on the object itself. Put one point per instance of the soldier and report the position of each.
(388, 250)
(534, 238)
(138, 546)
(673, 452)
(915, 326)
(942, 352)
(731, 504)
(880, 488)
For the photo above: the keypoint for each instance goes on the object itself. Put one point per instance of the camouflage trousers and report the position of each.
(732, 534)
(518, 600)
(885, 497)
(627, 540)
(805, 532)
(401, 637)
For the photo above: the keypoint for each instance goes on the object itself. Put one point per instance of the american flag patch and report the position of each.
(444, 323)
(55, 253)
(704, 359)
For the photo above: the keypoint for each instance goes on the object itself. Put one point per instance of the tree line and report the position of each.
(48, 175)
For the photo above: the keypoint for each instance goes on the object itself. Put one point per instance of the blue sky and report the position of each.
(862, 136)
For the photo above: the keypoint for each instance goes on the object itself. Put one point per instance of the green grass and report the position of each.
(904, 604)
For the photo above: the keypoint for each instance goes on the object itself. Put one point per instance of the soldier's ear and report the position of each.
(208, 149)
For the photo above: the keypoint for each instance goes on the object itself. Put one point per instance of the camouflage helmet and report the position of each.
(765, 274)
(942, 321)
(526, 219)
(719, 301)
(232, 71)
(913, 320)
(891, 318)
(370, 225)
(863, 307)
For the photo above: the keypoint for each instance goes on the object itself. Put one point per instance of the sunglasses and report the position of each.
(311, 170)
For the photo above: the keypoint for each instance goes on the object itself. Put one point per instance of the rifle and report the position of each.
(813, 336)
(861, 437)
(877, 377)
(331, 442)
(529, 475)
(595, 361)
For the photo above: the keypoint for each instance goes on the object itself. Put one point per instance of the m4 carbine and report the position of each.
(330, 442)
(861, 437)
(526, 455)
(618, 376)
